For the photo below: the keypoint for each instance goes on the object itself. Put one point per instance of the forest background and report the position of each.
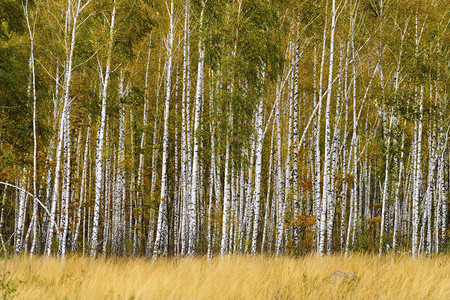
(173, 128)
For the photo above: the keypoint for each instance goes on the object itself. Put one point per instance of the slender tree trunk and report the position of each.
(192, 209)
(417, 179)
(161, 231)
(397, 217)
(354, 145)
(326, 199)
(385, 186)
(143, 140)
(100, 139)
(20, 223)
(65, 201)
(280, 185)
(248, 196)
(227, 192)
(82, 190)
(294, 175)
(258, 167)
(431, 186)
(67, 80)
(268, 211)
(31, 31)
(441, 208)
(107, 184)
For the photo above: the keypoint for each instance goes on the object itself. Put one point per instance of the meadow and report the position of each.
(231, 277)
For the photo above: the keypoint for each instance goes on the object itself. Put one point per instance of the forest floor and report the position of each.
(230, 277)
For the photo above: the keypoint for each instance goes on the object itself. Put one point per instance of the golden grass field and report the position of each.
(232, 277)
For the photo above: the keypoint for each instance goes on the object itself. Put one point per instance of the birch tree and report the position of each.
(161, 230)
(100, 139)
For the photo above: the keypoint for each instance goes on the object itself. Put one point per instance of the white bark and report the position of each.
(431, 187)
(258, 166)
(106, 207)
(155, 151)
(100, 140)
(267, 210)
(161, 231)
(20, 223)
(2, 212)
(186, 135)
(143, 140)
(353, 147)
(248, 196)
(117, 228)
(334, 156)
(385, 186)
(31, 31)
(326, 199)
(294, 174)
(227, 192)
(280, 185)
(65, 200)
(211, 188)
(316, 130)
(192, 210)
(441, 209)
(67, 80)
(82, 190)
(417, 179)
(397, 217)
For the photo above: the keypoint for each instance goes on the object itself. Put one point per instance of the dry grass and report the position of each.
(233, 277)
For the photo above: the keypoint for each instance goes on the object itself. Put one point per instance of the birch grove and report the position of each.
(310, 127)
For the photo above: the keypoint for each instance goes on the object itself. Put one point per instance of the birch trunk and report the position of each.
(248, 197)
(397, 217)
(441, 209)
(258, 166)
(107, 184)
(186, 130)
(65, 201)
(82, 190)
(417, 179)
(20, 223)
(326, 199)
(161, 231)
(155, 151)
(192, 209)
(67, 80)
(354, 144)
(143, 138)
(227, 192)
(100, 139)
(280, 185)
(117, 229)
(31, 30)
(334, 157)
(268, 211)
(385, 188)
(294, 174)
(431, 187)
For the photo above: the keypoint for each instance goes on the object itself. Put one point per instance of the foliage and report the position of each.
(303, 229)
(8, 286)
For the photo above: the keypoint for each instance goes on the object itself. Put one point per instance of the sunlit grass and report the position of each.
(232, 277)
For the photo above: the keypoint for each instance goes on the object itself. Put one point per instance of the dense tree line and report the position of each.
(191, 127)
